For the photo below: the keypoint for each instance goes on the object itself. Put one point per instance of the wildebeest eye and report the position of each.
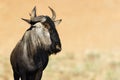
(47, 25)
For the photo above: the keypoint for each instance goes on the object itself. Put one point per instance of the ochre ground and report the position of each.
(90, 35)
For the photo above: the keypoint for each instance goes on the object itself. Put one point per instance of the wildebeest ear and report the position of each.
(33, 13)
(26, 20)
(57, 22)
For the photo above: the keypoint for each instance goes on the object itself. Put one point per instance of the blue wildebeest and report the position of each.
(31, 54)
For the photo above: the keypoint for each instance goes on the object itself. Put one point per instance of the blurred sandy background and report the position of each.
(90, 35)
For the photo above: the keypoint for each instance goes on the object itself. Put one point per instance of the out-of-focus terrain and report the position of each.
(90, 35)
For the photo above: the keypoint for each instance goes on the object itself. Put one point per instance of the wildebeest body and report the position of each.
(31, 54)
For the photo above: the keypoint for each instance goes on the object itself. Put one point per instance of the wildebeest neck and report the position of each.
(36, 39)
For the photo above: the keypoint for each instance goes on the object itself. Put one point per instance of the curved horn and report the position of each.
(33, 13)
(53, 13)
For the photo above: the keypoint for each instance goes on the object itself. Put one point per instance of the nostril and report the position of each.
(58, 47)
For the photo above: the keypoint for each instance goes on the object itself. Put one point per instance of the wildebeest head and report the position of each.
(47, 29)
